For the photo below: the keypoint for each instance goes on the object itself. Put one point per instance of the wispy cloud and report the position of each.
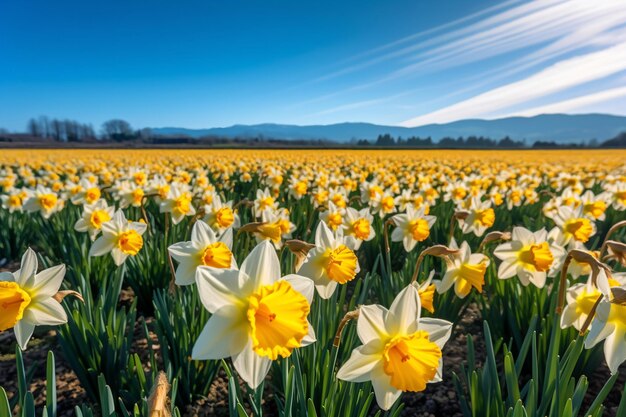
(540, 33)
(560, 76)
(574, 104)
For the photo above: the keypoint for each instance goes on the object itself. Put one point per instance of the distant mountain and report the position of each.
(560, 128)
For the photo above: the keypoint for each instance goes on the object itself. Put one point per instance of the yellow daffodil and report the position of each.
(401, 351)
(257, 316)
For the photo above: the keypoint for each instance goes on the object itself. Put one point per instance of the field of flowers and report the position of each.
(313, 283)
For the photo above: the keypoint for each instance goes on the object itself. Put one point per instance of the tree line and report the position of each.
(67, 130)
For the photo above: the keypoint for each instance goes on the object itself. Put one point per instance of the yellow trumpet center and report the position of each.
(427, 295)
(300, 188)
(13, 302)
(266, 202)
(224, 217)
(334, 220)
(471, 275)
(92, 195)
(485, 217)
(182, 205)
(539, 256)
(278, 320)
(419, 229)
(387, 203)
(217, 255)
(48, 201)
(137, 196)
(411, 361)
(585, 301)
(98, 217)
(14, 201)
(271, 231)
(362, 229)
(340, 264)
(130, 242)
(595, 209)
(581, 229)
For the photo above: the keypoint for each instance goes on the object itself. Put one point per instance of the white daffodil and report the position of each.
(26, 298)
(400, 351)
(480, 217)
(357, 227)
(205, 248)
(574, 224)
(88, 193)
(129, 194)
(594, 206)
(386, 204)
(331, 262)
(412, 227)
(264, 202)
(178, 203)
(609, 324)
(465, 270)
(221, 216)
(119, 237)
(580, 299)
(530, 256)
(256, 316)
(44, 201)
(94, 215)
(333, 217)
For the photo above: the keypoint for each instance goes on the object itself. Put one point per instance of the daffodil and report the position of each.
(333, 217)
(120, 238)
(401, 351)
(204, 249)
(581, 298)
(465, 270)
(331, 262)
(530, 256)
(221, 216)
(609, 325)
(178, 203)
(26, 298)
(93, 217)
(574, 224)
(358, 227)
(264, 202)
(257, 316)
(45, 201)
(480, 216)
(411, 227)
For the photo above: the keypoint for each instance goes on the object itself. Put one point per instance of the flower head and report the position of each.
(401, 351)
(26, 298)
(119, 237)
(257, 316)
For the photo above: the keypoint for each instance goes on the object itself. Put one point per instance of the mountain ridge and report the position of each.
(560, 128)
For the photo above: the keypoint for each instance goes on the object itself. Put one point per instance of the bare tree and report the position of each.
(117, 129)
(33, 128)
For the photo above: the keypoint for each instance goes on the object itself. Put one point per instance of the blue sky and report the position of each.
(216, 63)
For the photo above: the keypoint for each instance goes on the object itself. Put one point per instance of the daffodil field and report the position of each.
(331, 283)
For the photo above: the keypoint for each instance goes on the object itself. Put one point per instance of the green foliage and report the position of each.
(504, 391)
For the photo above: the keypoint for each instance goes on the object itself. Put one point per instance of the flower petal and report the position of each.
(224, 335)
(361, 362)
(251, 367)
(370, 325)
(202, 234)
(404, 311)
(48, 282)
(302, 284)
(217, 287)
(45, 312)
(25, 276)
(261, 266)
(439, 331)
(386, 395)
(23, 332)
